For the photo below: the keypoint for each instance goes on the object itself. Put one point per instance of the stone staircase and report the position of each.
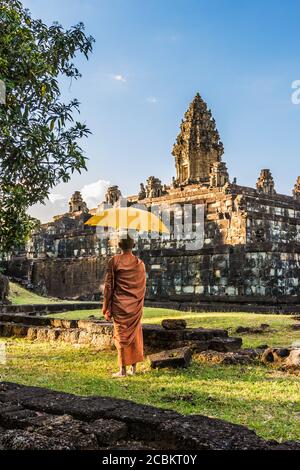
(99, 334)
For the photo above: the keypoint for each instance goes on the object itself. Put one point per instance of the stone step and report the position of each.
(99, 334)
(171, 358)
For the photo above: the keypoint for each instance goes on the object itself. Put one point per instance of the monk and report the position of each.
(124, 292)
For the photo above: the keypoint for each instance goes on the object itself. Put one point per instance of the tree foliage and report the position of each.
(39, 138)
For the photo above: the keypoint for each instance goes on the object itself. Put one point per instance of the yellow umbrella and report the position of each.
(128, 218)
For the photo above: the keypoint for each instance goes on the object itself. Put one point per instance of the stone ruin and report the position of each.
(99, 334)
(251, 243)
(34, 418)
(4, 289)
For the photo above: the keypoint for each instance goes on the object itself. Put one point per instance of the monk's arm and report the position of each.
(108, 290)
(144, 279)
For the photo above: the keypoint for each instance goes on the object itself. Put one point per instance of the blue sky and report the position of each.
(149, 60)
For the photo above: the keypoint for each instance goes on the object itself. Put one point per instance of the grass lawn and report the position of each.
(19, 296)
(262, 398)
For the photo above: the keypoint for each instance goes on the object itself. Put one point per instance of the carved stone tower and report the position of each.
(198, 145)
(113, 194)
(76, 203)
(218, 175)
(265, 183)
(296, 190)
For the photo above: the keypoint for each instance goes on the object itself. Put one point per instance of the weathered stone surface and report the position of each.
(287, 358)
(23, 440)
(51, 420)
(293, 359)
(229, 358)
(225, 344)
(109, 431)
(263, 328)
(4, 289)
(174, 324)
(99, 334)
(171, 358)
(296, 326)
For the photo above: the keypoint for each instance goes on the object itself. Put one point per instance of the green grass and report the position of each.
(264, 399)
(20, 296)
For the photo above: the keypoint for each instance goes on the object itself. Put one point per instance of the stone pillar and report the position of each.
(265, 183)
(76, 203)
(219, 175)
(113, 195)
(153, 187)
(296, 190)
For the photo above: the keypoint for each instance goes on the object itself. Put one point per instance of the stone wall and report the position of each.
(34, 418)
(99, 334)
(250, 249)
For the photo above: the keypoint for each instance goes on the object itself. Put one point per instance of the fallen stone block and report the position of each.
(293, 359)
(229, 358)
(225, 344)
(296, 326)
(172, 358)
(202, 334)
(263, 328)
(285, 357)
(174, 324)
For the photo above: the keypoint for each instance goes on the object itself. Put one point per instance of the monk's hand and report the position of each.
(107, 315)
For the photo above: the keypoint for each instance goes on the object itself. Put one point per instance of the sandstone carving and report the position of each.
(265, 183)
(113, 195)
(198, 144)
(296, 190)
(76, 203)
(153, 187)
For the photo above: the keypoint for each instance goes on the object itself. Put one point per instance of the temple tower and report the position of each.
(296, 190)
(265, 183)
(76, 203)
(198, 145)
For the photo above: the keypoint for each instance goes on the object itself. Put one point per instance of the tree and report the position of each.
(39, 138)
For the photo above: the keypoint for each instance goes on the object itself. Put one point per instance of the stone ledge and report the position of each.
(44, 309)
(99, 334)
(37, 418)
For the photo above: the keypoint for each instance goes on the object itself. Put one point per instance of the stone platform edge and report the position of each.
(34, 418)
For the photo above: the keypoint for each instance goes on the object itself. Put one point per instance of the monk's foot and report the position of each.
(132, 370)
(119, 375)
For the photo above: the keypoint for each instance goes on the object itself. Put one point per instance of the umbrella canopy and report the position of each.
(128, 218)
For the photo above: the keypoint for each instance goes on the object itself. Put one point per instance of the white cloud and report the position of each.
(53, 198)
(151, 99)
(119, 78)
(93, 193)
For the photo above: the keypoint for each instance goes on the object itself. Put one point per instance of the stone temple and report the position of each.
(251, 246)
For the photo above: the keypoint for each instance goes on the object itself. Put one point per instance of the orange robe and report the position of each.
(124, 292)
